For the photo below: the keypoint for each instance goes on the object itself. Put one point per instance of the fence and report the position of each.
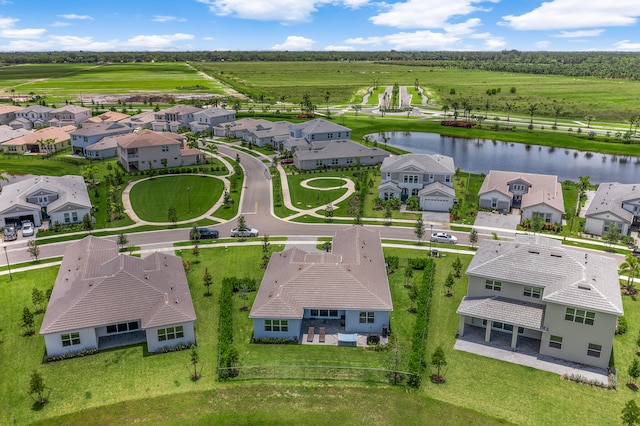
(316, 372)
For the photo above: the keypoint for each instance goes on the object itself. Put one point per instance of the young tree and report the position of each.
(172, 214)
(207, 280)
(194, 234)
(33, 249)
(439, 361)
(355, 208)
(328, 212)
(473, 237)
(449, 282)
(37, 388)
(195, 358)
(638, 343)
(631, 413)
(388, 212)
(266, 248)
(634, 371)
(195, 251)
(37, 298)
(26, 321)
(242, 223)
(418, 230)
(408, 274)
(457, 267)
(413, 296)
(612, 235)
(244, 293)
(122, 240)
(87, 222)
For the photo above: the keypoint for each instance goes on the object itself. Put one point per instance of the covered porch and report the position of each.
(335, 334)
(122, 339)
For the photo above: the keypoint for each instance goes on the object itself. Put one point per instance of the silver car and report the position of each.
(443, 237)
(246, 232)
(27, 229)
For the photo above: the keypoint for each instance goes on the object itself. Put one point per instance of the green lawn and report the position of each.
(305, 198)
(39, 165)
(152, 198)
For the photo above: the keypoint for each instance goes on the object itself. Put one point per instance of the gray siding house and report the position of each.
(534, 287)
(341, 153)
(348, 284)
(103, 299)
(428, 177)
(319, 130)
(8, 113)
(208, 118)
(32, 116)
(69, 115)
(171, 119)
(615, 204)
(91, 133)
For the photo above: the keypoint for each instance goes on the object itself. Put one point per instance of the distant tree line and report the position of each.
(582, 64)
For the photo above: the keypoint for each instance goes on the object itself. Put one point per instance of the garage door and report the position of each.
(436, 204)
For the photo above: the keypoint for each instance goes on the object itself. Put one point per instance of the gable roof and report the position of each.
(318, 125)
(102, 128)
(70, 190)
(39, 109)
(145, 138)
(58, 133)
(73, 109)
(8, 109)
(569, 277)
(213, 112)
(107, 117)
(7, 133)
(543, 188)
(352, 277)
(97, 286)
(179, 109)
(336, 149)
(438, 188)
(426, 163)
(609, 198)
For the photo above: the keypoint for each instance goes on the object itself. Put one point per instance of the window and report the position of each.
(67, 218)
(608, 223)
(494, 203)
(594, 350)
(580, 315)
(170, 333)
(70, 339)
(318, 162)
(276, 325)
(367, 317)
(447, 178)
(501, 326)
(13, 149)
(388, 175)
(334, 161)
(165, 148)
(410, 178)
(493, 285)
(533, 292)
(123, 327)
(555, 342)
(545, 216)
(74, 216)
(414, 192)
(350, 161)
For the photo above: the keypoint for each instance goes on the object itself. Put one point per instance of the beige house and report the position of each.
(348, 286)
(46, 141)
(102, 299)
(107, 117)
(171, 119)
(428, 177)
(533, 194)
(146, 149)
(69, 115)
(615, 204)
(535, 288)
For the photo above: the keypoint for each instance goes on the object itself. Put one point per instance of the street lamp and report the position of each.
(189, 197)
(8, 266)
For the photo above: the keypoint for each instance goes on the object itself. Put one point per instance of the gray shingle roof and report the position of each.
(569, 277)
(437, 187)
(319, 126)
(353, 276)
(70, 190)
(104, 128)
(609, 198)
(502, 309)
(96, 286)
(438, 164)
(338, 149)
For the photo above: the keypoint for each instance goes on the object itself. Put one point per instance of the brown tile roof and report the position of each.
(542, 188)
(58, 133)
(96, 286)
(352, 277)
(145, 138)
(107, 117)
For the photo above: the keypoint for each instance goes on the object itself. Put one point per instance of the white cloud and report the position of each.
(566, 14)
(409, 41)
(60, 24)
(542, 44)
(164, 18)
(579, 33)
(425, 13)
(157, 41)
(74, 16)
(208, 38)
(463, 28)
(626, 45)
(7, 22)
(339, 48)
(81, 43)
(22, 33)
(355, 4)
(295, 43)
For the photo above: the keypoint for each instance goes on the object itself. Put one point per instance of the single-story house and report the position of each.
(47, 140)
(350, 283)
(428, 177)
(342, 153)
(103, 299)
(61, 199)
(615, 204)
(534, 194)
(267, 134)
(106, 147)
(536, 288)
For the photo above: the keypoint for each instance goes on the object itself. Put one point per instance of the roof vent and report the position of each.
(534, 251)
(556, 255)
(584, 286)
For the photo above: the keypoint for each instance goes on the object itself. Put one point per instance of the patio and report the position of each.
(123, 339)
(332, 328)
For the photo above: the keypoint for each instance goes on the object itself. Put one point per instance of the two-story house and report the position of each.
(533, 287)
(319, 132)
(428, 177)
(8, 113)
(32, 116)
(72, 115)
(147, 149)
(172, 119)
(91, 133)
(614, 204)
(209, 118)
(534, 194)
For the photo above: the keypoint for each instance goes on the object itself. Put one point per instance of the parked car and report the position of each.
(443, 237)
(635, 252)
(206, 233)
(27, 229)
(286, 161)
(9, 233)
(247, 232)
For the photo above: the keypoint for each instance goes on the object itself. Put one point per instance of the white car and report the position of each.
(27, 229)
(443, 237)
(246, 232)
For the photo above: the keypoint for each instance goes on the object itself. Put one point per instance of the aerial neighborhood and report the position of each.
(254, 244)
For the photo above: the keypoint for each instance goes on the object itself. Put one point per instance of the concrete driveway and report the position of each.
(498, 221)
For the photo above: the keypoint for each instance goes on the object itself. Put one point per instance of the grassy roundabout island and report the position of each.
(191, 195)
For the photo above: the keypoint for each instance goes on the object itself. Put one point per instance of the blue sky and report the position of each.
(344, 25)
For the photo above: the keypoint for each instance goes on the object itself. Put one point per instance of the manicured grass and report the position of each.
(39, 165)
(327, 183)
(305, 198)
(152, 198)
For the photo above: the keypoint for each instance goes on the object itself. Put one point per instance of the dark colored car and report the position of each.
(206, 233)
(635, 252)
(10, 233)
(286, 161)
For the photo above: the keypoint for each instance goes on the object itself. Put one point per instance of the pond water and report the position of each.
(482, 155)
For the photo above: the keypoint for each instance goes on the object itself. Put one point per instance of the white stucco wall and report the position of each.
(504, 202)
(556, 216)
(53, 342)
(595, 224)
(58, 216)
(353, 325)
(153, 345)
(293, 333)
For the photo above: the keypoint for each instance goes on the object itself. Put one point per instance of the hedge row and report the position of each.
(417, 358)
(227, 353)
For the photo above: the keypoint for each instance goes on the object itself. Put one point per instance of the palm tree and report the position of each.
(630, 268)
(445, 108)
(589, 118)
(557, 109)
(509, 106)
(532, 109)
(584, 184)
(487, 104)
(454, 105)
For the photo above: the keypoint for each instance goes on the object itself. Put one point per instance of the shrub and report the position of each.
(417, 357)
(622, 327)
(69, 355)
(392, 263)
(418, 263)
